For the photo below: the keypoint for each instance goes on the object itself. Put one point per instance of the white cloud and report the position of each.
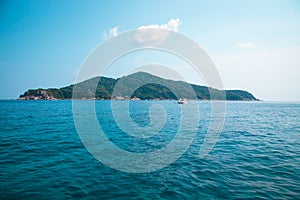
(146, 35)
(156, 33)
(245, 45)
(111, 33)
(172, 25)
(114, 31)
(153, 36)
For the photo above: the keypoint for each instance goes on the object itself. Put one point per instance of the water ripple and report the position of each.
(256, 157)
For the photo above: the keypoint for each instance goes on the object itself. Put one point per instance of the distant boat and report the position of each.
(182, 101)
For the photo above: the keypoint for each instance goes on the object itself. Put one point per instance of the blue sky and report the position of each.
(254, 44)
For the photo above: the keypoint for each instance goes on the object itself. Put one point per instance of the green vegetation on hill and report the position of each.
(141, 85)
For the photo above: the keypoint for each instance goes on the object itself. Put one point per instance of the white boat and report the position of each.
(182, 101)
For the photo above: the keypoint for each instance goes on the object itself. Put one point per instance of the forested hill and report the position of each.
(126, 88)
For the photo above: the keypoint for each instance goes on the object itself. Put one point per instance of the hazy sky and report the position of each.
(254, 44)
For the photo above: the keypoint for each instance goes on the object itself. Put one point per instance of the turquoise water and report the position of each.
(257, 155)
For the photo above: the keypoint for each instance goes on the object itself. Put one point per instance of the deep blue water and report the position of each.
(256, 157)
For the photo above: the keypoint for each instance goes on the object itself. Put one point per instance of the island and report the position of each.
(155, 89)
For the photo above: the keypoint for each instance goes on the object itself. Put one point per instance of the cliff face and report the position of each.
(157, 88)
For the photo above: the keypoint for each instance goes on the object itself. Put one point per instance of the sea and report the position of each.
(255, 156)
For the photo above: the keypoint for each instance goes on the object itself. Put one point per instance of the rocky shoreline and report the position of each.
(43, 95)
(39, 95)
